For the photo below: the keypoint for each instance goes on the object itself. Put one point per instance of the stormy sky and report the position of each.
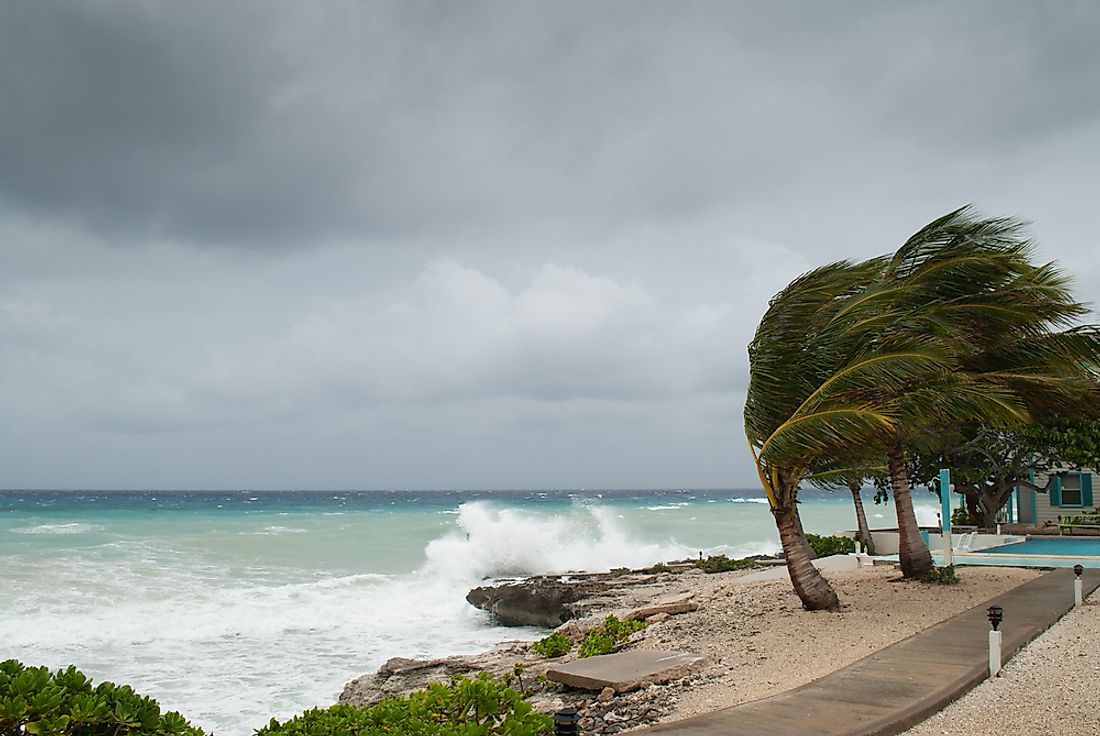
(479, 244)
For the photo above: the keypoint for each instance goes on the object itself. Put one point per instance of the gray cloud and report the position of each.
(231, 123)
(496, 243)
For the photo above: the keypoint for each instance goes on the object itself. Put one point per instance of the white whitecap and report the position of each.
(72, 528)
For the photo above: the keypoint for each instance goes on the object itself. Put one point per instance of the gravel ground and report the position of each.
(1048, 689)
(757, 641)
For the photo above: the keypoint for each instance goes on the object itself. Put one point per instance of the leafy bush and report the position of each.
(554, 645)
(659, 567)
(466, 706)
(943, 575)
(611, 633)
(960, 516)
(721, 563)
(596, 643)
(835, 545)
(35, 701)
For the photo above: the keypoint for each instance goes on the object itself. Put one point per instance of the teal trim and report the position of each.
(945, 500)
(1056, 491)
(1086, 489)
(1034, 495)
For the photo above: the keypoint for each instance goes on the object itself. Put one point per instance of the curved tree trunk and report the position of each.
(916, 560)
(861, 518)
(812, 588)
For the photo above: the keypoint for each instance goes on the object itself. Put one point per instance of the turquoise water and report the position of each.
(1046, 546)
(234, 607)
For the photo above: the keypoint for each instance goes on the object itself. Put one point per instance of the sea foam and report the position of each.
(507, 542)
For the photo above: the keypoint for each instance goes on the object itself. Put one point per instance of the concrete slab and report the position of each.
(623, 671)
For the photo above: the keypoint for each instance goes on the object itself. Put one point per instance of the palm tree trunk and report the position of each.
(861, 518)
(812, 588)
(916, 560)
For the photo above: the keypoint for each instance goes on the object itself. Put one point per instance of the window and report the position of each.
(1071, 489)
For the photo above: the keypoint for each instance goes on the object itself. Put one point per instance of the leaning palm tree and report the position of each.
(969, 284)
(789, 428)
(880, 354)
(839, 473)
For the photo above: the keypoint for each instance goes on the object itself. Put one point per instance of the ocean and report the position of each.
(236, 606)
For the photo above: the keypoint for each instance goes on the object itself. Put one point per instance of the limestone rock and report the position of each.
(401, 676)
(671, 606)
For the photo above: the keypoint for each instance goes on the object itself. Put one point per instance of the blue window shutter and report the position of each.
(1086, 489)
(1056, 491)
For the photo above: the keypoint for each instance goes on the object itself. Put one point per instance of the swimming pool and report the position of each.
(1049, 547)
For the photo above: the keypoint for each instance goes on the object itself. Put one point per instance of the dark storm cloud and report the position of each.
(297, 122)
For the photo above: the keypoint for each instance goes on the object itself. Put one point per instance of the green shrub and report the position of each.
(943, 575)
(960, 516)
(596, 643)
(35, 701)
(610, 634)
(554, 645)
(721, 563)
(835, 545)
(466, 706)
(658, 568)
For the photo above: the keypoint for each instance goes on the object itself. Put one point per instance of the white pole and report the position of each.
(1077, 592)
(948, 553)
(994, 653)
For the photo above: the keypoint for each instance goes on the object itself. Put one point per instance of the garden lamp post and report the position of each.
(1078, 594)
(996, 616)
(567, 722)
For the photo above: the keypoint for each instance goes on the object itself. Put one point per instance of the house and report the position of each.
(1070, 492)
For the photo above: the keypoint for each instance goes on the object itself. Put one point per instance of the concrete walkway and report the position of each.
(897, 687)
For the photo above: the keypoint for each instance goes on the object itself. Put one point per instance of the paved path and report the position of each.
(901, 685)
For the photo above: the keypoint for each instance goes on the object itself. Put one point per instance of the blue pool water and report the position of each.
(1050, 547)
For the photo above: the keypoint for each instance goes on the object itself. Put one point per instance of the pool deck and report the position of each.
(892, 690)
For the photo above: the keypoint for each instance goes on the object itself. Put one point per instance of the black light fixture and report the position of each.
(567, 722)
(1078, 570)
(996, 616)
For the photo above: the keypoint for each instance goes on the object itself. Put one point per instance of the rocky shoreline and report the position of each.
(752, 637)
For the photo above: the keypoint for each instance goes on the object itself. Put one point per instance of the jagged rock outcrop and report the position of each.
(401, 676)
(539, 601)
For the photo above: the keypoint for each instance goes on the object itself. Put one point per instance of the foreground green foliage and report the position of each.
(466, 707)
(611, 633)
(64, 703)
(554, 645)
(721, 563)
(835, 545)
(944, 575)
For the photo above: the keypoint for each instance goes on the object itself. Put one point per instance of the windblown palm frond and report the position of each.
(789, 356)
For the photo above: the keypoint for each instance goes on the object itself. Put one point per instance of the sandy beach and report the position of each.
(758, 641)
